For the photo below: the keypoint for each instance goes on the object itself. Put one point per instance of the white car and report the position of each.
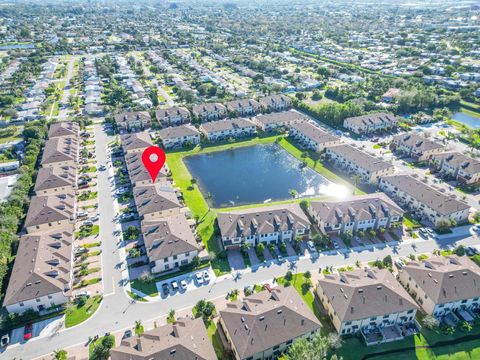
(183, 284)
(206, 276)
(311, 246)
(174, 285)
(199, 278)
(83, 293)
(335, 245)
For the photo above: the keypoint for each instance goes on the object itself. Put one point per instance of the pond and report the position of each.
(255, 174)
(466, 119)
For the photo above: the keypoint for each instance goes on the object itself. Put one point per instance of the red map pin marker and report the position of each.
(153, 158)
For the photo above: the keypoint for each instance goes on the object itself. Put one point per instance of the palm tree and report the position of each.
(138, 327)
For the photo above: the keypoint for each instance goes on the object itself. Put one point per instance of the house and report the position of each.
(277, 102)
(133, 120)
(230, 128)
(42, 274)
(390, 95)
(173, 116)
(269, 122)
(64, 128)
(50, 212)
(243, 107)
(264, 325)
(360, 213)
(430, 204)
(155, 201)
(460, 167)
(442, 284)
(357, 162)
(169, 242)
(415, 146)
(184, 339)
(367, 124)
(56, 180)
(179, 136)
(209, 111)
(271, 224)
(139, 175)
(367, 300)
(60, 151)
(312, 137)
(136, 142)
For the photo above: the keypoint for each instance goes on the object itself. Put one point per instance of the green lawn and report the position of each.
(410, 223)
(216, 340)
(148, 288)
(76, 315)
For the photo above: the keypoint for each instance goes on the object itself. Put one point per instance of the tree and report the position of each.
(139, 329)
(146, 276)
(289, 276)
(334, 341)
(204, 309)
(101, 351)
(303, 349)
(387, 261)
(60, 355)
(307, 275)
(171, 316)
(430, 322)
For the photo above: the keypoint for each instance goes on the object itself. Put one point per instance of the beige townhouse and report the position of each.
(243, 107)
(56, 180)
(312, 137)
(209, 111)
(139, 175)
(277, 102)
(133, 120)
(60, 151)
(230, 128)
(262, 326)
(135, 142)
(368, 124)
(179, 136)
(460, 167)
(415, 146)
(173, 116)
(280, 120)
(64, 128)
(154, 201)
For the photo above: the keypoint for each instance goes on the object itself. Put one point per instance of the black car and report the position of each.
(165, 289)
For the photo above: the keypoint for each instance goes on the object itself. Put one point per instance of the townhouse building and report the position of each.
(357, 162)
(64, 128)
(47, 212)
(230, 128)
(133, 120)
(442, 284)
(156, 201)
(433, 206)
(173, 116)
(169, 242)
(184, 339)
(368, 124)
(280, 120)
(179, 136)
(277, 102)
(271, 224)
(455, 165)
(263, 325)
(209, 111)
(56, 180)
(139, 175)
(312, 137)
(243, 107)
(60, 151)
(135, 142)
(363, 300)
(415, 146)
(360, 213)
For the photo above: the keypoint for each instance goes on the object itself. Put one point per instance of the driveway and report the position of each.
(290, 249)
(254, 260)
(235, 259)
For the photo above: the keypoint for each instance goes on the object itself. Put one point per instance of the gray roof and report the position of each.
(371, 119)
(50, 208)
(59, 149)
(247, 222)
(358, 208)
(280, 117)
(360, 158)
(137, 171)
(460, 161)
(154, 198)
(361, 294)
(446, 278)
(132, 116)
(416, 142)
(272, 99)
(42, 266)
(238, 105)
(434, 199)
(229, 124)
(64, 128)
(177, 131)
(168, 236)
(208, 107)
(186, 339)
(314, 133)
(264, 320)
(55, 177)
(135, 141)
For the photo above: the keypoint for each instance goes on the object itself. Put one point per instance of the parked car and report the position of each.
(335, 245)
(199, 278)
(94, 218)
(82, 214)
(127, 334)
(399, 264)
(206, 276)
(102, 168)
(4, 340)
(431, 232)
(174, 285)
(423, 233)
(165, 289)
(27, 332)
(183, 284)
(83, 293)
(311, 246)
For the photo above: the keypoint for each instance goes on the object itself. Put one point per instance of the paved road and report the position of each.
(62, 114)
(118, 311)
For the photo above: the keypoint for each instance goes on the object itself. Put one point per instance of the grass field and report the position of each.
(76, 315)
